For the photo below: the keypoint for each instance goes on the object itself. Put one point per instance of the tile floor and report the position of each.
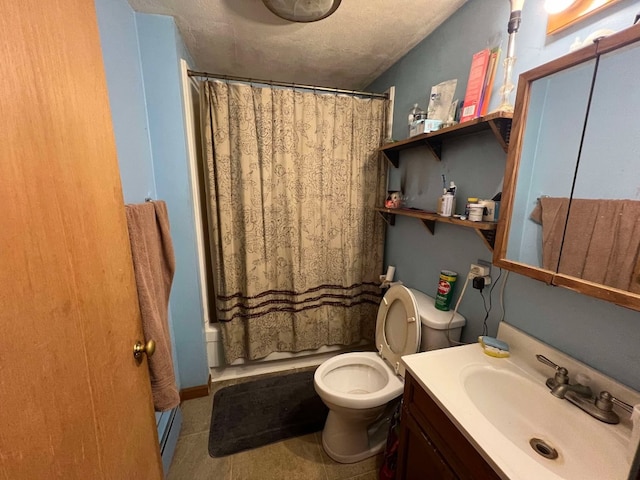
(295, 458)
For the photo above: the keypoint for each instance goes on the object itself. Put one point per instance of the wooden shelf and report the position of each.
(499, 123)
(485, 230)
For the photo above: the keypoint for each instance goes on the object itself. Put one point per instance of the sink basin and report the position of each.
(543, 426)
(502, 404)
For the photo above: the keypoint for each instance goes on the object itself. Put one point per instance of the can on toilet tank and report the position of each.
(445, 289)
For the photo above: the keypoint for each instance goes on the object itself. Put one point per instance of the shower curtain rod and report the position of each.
(191, 73)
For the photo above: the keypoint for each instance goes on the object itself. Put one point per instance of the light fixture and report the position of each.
(557, 6)
(506, 105)
(302, 10)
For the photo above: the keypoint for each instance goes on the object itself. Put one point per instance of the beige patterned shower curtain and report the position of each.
(292, 179)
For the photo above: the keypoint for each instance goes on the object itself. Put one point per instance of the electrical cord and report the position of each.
(455, 310)
(487, 310)
(485, 329)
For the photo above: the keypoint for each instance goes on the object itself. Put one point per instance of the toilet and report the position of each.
(361, 387)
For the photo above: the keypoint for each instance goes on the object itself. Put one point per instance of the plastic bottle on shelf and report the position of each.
(452, 191)
(470, 200)
(447, 205)
(415, 114)
(475, 212)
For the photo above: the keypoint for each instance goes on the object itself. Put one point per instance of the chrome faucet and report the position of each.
(559, 384)
(600, 407)
(561, 390)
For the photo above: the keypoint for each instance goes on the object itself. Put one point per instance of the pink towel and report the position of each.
(154, 265)
(602, 242)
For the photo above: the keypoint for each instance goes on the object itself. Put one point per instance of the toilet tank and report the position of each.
(435, 324)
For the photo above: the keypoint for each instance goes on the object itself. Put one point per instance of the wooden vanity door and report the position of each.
(74, 404)
(421, 459)
(431, 446)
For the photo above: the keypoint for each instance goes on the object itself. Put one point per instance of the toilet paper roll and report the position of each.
(391, 270)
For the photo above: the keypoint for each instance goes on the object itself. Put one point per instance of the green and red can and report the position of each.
(445, 289)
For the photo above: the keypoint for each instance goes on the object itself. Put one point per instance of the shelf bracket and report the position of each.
(430, 225)
(488, 237)
(390, 218)
(501, 128)
(393, 156)
(435, 146)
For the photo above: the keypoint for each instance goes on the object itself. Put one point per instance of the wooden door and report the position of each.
(73, 401)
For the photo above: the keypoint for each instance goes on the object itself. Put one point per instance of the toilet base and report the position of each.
(346, 439)
(356, 457)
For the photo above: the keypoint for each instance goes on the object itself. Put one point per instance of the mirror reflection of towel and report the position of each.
(551, 213)
(601, 243)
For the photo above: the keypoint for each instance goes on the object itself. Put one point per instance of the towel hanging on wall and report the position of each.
(154, 265)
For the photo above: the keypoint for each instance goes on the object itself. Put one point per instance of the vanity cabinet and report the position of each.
(570, 212)
(431, 446)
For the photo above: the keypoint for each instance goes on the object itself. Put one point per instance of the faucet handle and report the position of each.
(562, 374)
(546, 361)
(606, 399)
(604, 408)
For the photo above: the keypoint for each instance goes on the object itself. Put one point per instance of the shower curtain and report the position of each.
(297, 248)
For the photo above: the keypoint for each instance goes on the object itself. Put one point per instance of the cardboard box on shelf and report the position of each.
(424, 125)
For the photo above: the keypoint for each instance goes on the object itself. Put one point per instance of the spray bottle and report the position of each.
(448, 201)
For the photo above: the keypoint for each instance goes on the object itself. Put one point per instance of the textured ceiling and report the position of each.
(347, 50)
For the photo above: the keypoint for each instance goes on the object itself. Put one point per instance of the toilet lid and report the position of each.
(398, 326)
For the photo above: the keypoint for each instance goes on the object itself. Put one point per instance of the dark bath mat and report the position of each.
(252, 414)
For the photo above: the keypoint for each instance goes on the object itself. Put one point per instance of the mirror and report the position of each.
(606, 195)
(571, 200)
(555, 120)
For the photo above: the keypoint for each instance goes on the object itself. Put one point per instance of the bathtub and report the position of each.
(275, 362)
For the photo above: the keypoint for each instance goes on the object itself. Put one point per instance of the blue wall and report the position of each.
(141, 55)
(119, 39)
(161, 49)
(600, 334)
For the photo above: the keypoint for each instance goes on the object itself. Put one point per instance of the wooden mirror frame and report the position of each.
(523, 96)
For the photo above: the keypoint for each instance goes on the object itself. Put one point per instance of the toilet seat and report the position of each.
(398, 327)
(391, 389)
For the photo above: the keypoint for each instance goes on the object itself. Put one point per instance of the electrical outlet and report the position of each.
(485, 263)
(479, 270)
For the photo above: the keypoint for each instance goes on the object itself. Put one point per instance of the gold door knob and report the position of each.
(139, 348)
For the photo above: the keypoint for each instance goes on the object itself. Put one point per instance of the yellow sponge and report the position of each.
(493, 347)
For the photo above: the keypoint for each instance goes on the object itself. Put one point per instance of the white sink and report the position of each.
(501, 404)
(525, 412)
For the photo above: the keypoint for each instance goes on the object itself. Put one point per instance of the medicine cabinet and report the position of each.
(571, 199)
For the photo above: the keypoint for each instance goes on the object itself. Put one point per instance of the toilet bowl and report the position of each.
(356, 387)
(359, 388)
